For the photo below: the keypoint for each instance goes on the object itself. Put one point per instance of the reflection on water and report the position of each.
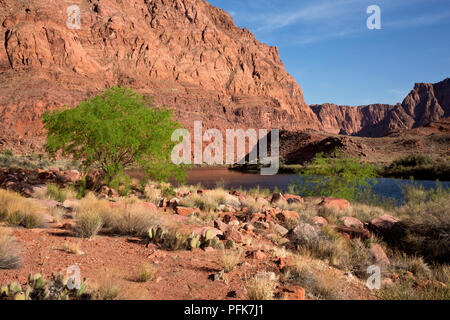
(210, 177)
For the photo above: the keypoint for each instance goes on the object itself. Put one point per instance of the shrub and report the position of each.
(260, 287)
(105, 288)
(10, 252)
(407, 290)
(115, 130)
(146, 273)
(340, 177)
(89, 215)
(425, 226)
(20, 211)
(230, 259)
(60, 194)
(132, 219)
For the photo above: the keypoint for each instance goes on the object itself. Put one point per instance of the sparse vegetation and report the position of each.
(146, 273)
(10, 252)
(261, 287)
(230, 259)
(19, 211)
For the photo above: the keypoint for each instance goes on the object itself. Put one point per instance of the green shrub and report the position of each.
(338, 176)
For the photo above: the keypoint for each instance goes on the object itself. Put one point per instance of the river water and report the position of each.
(230, 179)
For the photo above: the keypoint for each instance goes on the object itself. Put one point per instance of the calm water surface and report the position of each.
(210, 177)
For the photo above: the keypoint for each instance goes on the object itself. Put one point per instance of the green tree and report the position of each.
(338, 176)
(113, 131)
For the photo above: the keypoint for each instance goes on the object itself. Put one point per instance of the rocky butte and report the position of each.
(425, 103)
(188, 54)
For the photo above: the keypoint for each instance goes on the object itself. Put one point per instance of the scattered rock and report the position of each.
(378, 254)
(383, 224)
(291, 198)
(222, 226)
(293, 293)
(288, 215)
(352, 222)
(303, 233)
(232, 234)
(71, 175)
(184, 211)
(330, 203)
(321, 222)
(257, 255)
(277, 197)
(282, 231)
(353, 232)
(218, 276)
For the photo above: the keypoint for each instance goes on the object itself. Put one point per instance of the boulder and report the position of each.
(383, 224)
(291, 198)
(321, 222)
(282, 231)
(288, 215)
(335, 203)
(303, 233)
(233, 234)
(184, 211)
(378, 254)
(277, 197)
(222, 226)
(293, 293)
(353, 232)
(352, 222)
(71, 175)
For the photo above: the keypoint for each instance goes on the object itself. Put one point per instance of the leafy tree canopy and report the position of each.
(115, 130)
(338, 176)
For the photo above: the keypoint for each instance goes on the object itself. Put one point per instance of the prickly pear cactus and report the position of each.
(40, 289)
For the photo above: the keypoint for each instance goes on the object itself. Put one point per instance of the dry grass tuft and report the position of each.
(230, 259)
(146, 273)
(19, 211)
(10, 252)
(261, 287)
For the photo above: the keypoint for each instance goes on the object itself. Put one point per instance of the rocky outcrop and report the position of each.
(424, 104)
(188, 54)
(346, 120)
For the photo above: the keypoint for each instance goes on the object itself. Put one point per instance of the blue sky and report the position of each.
(327, 47)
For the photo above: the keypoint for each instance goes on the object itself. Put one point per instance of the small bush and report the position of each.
(89, 217)
(105, 288)
(230, 259)
(407, 290)
(19, 211)
(10, 252)
(60, 194)
(260, 287)
(146, 273)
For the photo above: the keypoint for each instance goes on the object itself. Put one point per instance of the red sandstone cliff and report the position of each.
(188, 54)
(424, 104)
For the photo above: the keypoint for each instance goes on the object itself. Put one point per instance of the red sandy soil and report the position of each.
(179, 275)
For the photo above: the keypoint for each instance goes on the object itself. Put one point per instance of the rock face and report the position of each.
(425, 103)
(188, 54)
